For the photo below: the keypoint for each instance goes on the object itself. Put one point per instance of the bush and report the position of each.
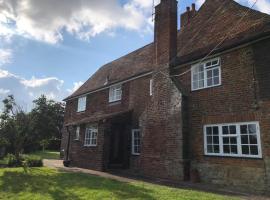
(33, 161)
(24, 160)
(12, 161)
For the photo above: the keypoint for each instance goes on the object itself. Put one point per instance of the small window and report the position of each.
(236, 140)
(115, 93)
(151, 87)
(81, 104)
(77, 133)
(136, 142)
(90, 137)
(206, 74)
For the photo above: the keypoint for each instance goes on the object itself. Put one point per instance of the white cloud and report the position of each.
(26, 90)
(47, 19)
(76, 86)
(5, 56)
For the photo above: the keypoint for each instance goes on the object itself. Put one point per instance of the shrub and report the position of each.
(33, 161)
(12, 161)
(24, 160)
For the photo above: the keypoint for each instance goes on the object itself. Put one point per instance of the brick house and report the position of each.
(195, 103)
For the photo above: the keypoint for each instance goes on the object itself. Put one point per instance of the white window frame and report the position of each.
(133, 141)
(77, 133)
(81, 107)
(205, 70)
(115, 93)
(91, 137)
(151, 87)
(238, 136)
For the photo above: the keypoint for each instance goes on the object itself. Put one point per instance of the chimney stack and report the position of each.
(188, 15)
(166, 31)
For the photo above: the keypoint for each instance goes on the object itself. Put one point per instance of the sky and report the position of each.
(52, 46)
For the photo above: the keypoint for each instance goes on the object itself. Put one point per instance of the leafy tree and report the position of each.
(15, 126)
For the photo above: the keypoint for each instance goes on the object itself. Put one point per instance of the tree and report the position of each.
(48, 118)
(15, 126)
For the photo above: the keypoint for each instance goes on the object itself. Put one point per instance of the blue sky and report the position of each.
(50, 47)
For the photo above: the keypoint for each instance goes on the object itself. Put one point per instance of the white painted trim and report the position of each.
(205, 74)
(108, 86)
(238, 135)
(78, 130)
(112, 95)
(151, 87)
(132, 146)
(90, 145)
(81, 108)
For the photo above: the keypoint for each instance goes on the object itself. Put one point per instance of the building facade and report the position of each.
(194, 104)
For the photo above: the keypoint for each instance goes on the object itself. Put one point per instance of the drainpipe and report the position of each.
(66, 160)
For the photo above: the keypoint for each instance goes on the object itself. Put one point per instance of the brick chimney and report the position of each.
(188, 15)
(166, 31)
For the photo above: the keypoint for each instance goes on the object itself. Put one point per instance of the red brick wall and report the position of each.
(135, 96)
(234, 101)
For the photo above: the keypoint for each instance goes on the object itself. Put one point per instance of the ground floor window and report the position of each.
(236, 139)
(90, 136)
(136, 142)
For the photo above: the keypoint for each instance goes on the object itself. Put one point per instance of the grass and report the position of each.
(46, 184)
(47, 154)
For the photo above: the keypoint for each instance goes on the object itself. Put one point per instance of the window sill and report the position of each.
(135, 154)
(234, 157)
(89, 145)
(194, 90)
(80, 112)
(112, 103)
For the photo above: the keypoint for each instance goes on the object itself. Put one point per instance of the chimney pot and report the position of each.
(193, 7)
(188, 9)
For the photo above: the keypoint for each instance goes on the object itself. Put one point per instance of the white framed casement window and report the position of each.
(206, 74)
(90, 137)
(115, 93)
(151, 87)
(77, 133)
(81, 104)
(233, 140)
(136, 142)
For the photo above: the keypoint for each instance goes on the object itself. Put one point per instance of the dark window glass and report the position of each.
(225, 130)
(243, 129)
(253, 139)
(244, 139)
(252, 128)
(254, 150)
(233, 130)
(215, 130)
(226, 149)
(245, 149)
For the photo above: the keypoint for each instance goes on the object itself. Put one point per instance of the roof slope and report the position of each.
(215, 20)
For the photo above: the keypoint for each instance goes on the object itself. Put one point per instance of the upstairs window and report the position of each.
(81, 104)
(115, 93)
(90, 137)
(77, 133)
(235, 140)
(136, 142)
(206, 74)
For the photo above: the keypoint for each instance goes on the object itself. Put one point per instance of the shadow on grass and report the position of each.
(69, 186)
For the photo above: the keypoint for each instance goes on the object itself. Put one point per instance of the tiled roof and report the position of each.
(214, 20)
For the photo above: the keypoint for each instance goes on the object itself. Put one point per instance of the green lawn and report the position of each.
(45, 183)
(47, 154)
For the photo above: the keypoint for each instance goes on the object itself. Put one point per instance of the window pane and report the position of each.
(254, 150)
(225, 130)
(216, 80)
(244, 139)
(253, 139)
(209, 140)
(215, 130)
(209, 148)
(234, 149)
(226, 140)
(209, 74)
(232, 130)
(209, 82)
(201, 84)
(216, 149)
(233, 140)
(216, 139)
(209, 130)
(216, 72)
(245, 149)
(252, 128)
(226, 149)
(243, 129)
